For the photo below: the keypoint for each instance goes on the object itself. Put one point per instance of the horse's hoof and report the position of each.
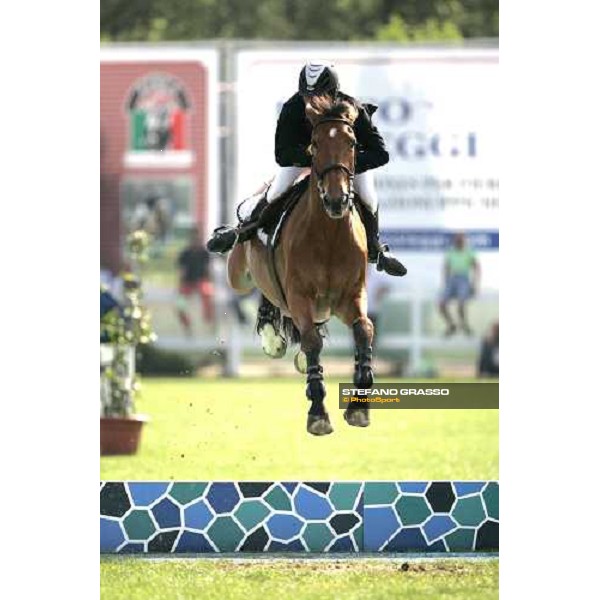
(357, 417)
(273, 344)
(300, 362)
(319, 424)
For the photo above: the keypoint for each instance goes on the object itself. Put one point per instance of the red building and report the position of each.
(158, 132)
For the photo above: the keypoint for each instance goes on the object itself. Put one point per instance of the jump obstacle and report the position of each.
(226, 517)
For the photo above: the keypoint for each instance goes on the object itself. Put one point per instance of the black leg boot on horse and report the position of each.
(358, 415)
(226, 237)
(379, 253)
(318, 422)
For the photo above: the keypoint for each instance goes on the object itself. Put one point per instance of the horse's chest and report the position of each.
(331, 275)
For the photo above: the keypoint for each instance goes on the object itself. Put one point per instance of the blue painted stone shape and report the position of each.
(407, 540)
(464, 488)
(197, 516)
(111, 535)
(312, 506)
(437, 526)
(193, 542)
(413, 487)
(222, 497)
(343, 544)
(290, 486)
(167, 514)
(294, 546)
(284, 527)
(146, 492)
(380, 522)
(437, 547)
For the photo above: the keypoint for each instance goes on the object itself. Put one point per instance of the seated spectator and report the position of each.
(488, 358)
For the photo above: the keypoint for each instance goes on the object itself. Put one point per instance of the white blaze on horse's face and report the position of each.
(334, 161)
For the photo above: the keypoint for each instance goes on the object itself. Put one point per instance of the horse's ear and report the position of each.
(312, 114)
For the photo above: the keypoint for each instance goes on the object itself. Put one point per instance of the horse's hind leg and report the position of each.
(362, 330)
(311, 343)
(238, 275)
(269, 327)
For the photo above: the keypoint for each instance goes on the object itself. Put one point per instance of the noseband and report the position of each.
(335, 166)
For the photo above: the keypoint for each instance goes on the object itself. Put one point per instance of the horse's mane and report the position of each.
(321, 107)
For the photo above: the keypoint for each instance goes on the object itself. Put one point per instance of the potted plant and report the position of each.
(124, 328)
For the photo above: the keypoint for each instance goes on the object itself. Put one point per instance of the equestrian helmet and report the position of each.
(318, 78)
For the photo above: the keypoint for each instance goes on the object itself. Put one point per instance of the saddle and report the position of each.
(268, 219)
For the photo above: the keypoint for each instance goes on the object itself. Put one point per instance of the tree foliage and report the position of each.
(388, 20)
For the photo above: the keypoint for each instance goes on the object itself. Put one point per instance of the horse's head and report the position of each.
(333, 147)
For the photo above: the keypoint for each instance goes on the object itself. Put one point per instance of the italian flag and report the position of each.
(138, 122)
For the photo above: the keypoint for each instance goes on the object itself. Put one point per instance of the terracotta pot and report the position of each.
(120, 435)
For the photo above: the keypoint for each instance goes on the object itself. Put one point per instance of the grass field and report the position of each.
(255, 430)
(139, 579)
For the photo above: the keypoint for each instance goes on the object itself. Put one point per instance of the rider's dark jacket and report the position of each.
(293, 135)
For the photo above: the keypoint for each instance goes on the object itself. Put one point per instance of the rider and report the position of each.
(292, 138)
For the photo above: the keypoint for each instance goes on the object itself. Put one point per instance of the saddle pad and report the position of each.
(274, 215)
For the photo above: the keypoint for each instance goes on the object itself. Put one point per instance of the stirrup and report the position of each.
(376, 252)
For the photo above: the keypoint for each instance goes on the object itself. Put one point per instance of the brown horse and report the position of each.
(321, 260)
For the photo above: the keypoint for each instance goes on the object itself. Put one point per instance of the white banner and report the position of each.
(438, 112)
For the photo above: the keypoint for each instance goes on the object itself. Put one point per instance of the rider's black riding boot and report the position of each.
(225, 238)
(379, 253)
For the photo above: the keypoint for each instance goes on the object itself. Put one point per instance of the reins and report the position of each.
(334, 166)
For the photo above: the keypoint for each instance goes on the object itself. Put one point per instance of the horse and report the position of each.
(320, 262)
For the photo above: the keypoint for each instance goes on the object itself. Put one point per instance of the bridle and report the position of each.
(334, 166)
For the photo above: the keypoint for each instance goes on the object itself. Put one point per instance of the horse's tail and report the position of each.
(292, 334)
(269, 313)
(290, 331)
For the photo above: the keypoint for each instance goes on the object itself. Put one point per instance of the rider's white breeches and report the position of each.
(284, 178)
(364, 185)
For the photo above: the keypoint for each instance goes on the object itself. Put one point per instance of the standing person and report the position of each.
(293, 155)
(461, 282)
(194, 278)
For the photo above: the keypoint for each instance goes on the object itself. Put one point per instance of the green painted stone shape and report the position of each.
(139, 525)
(380, 493)
(278, 499)
(412, 510)
(469, 511)
(460, 540)
(184, 493)
(225, 534)
(251, 513)
(317, 536)
(343, 496)
(492, 502)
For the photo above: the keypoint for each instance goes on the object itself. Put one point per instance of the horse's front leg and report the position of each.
(355, 316)
(311, 343)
